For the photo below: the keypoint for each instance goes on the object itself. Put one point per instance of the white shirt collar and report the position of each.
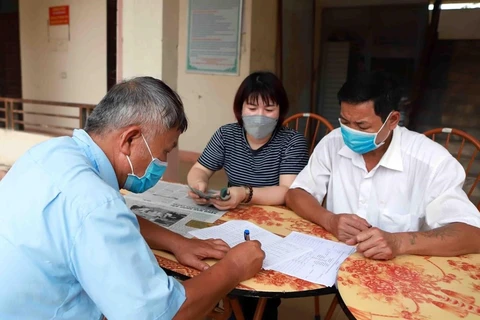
(392, 159)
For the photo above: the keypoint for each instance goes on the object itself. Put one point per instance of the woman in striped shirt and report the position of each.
(260, 156)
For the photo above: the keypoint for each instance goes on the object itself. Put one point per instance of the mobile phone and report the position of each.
(203, 195)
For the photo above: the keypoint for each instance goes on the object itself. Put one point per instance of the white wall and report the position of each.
(13, 144)
(208, 99)
(459, 24)
(148, 40)
(83, 62)
(142, 38)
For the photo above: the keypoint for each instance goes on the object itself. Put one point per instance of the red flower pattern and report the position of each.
(272, 218)
(258, 215)
(270, 277)
(308, 227)
(472, 270)
(383, 281)
(393, 283)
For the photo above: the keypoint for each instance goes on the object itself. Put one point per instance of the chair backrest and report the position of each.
(310, 124)
(465, 148)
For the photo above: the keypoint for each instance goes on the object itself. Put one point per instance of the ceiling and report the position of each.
(357, 3)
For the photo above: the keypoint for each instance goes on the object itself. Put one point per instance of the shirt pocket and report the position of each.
(394, 221)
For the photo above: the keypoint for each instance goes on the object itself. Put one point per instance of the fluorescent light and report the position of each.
(457, 6)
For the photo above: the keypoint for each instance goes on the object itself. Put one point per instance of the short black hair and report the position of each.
(380, 87)
(266, 86)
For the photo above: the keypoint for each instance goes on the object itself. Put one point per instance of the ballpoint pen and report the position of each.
(246, 235)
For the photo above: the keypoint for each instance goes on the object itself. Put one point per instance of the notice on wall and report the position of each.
(214, 35)
(59, 28)
(59, 15)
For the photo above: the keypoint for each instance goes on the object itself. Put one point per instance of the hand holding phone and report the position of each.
(223, 195)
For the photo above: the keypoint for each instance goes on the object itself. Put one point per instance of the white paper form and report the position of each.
(281, 251)
(318, 266)
(276, 248)
(232, 233)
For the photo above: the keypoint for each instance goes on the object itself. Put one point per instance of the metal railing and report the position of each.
(13, 114)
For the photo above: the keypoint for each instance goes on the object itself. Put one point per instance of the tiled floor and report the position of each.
(298, 308)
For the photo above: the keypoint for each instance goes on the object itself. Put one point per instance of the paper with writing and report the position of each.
(318, 266)
(277, 249)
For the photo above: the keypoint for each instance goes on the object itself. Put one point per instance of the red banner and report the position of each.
(59, 15)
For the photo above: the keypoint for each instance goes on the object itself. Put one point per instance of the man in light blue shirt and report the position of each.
(69, 246)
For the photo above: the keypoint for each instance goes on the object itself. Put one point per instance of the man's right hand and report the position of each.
(201, 186)
(246, 259)
(203, 291)
(346, 226)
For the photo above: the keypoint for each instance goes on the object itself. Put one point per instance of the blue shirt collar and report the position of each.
(97, 157)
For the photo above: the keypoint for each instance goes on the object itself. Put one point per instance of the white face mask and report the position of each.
(259, 126)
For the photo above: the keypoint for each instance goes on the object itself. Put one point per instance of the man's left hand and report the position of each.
(377, 244)
(192, 252)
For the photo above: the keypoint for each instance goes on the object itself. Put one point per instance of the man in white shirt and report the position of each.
(388, 190)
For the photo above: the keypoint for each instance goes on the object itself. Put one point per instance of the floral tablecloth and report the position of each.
(411, 287)
(279, 220)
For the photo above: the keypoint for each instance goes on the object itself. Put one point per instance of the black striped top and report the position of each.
(285, 153)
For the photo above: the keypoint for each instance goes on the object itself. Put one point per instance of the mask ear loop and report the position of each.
(148, 148)
(130, 163)
(151, 155)
(383, 125)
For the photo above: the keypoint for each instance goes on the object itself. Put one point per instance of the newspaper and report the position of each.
(168, 204)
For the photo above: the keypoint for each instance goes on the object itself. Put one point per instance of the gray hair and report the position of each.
(143, 101)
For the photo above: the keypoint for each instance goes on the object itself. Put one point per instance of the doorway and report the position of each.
(10, 67)
(112, 6)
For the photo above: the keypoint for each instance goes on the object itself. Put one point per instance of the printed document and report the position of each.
(276, 248)
(321, 264)
(299, 255)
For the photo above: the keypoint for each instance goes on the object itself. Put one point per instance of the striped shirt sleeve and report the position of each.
(213, 157)
(295, 156)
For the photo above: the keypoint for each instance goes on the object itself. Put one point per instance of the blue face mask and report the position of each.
(153, 174)
(359, 141)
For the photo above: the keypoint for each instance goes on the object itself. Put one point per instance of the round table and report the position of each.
(411, 287)
(267, 283)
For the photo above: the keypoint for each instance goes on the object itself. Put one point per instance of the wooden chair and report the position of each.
(222, 312)
(311, 133)
(456, 142)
